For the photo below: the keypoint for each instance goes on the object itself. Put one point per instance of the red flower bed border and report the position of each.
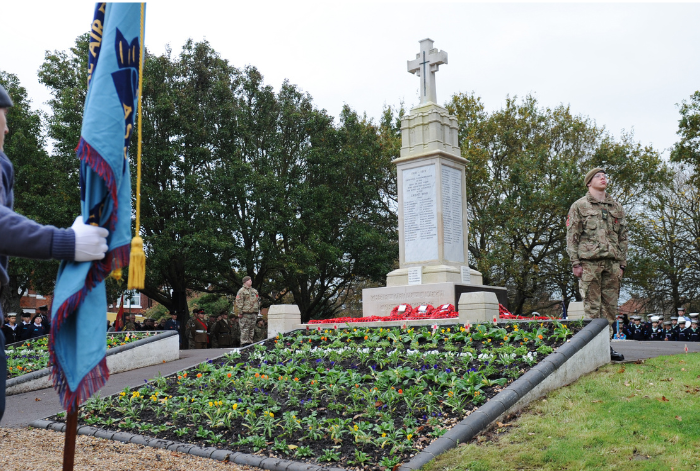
(411, 314)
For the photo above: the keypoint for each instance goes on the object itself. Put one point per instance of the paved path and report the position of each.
(21, 409)
(640, 350)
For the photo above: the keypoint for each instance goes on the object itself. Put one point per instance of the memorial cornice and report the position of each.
(431, 154)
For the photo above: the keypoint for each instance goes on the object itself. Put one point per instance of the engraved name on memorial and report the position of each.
(420, 214)
(452, 229)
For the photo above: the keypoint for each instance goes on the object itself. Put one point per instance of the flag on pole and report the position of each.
(119, 321)
(77, 345)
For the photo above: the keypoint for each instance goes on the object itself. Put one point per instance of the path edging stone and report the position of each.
(245, 459)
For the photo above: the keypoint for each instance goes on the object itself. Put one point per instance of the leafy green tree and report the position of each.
(525, 166)
(687, 149)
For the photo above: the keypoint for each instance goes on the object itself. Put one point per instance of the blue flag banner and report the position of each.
(77, 344)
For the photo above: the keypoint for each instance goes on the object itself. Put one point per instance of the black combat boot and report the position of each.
(615, 356)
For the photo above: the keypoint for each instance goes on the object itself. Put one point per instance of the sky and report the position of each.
(624, 65)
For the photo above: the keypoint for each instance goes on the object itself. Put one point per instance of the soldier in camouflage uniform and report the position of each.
(596, 241)
(248, 305)
(130, 324)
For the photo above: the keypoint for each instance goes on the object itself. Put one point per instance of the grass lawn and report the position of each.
(634, 416)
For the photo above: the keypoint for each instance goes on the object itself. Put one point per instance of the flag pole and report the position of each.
(71, 433)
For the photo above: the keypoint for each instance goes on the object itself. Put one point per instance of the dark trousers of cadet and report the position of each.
(3, 374)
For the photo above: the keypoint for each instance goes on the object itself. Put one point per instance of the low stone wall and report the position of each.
(160, 348)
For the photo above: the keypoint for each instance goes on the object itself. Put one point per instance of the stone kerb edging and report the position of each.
(40, 379)
(585, 352)
(264, 462)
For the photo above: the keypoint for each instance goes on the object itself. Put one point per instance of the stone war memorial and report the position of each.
(433, 217)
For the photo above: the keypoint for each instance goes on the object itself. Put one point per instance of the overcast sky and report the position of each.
(624, 65)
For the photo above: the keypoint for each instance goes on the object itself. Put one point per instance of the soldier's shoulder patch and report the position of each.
(567, 221)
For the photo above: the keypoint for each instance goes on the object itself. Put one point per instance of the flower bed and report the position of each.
(33, 355)
(354, 396)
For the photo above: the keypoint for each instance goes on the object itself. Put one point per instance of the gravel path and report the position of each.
(24, 449)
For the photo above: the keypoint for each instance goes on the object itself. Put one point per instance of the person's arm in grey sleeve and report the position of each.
(22, 237)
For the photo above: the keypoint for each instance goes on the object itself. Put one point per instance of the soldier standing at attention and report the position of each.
(197, 330)
(596, 241)
(248, 305)
(221, 332)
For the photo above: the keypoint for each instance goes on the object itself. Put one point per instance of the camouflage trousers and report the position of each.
(247, 323)
(600, 288)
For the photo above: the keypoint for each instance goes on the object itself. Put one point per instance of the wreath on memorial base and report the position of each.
(407, 311)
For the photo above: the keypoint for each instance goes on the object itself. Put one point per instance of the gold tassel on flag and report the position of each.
(137, 260)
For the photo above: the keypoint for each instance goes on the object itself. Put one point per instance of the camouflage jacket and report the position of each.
(247, 300)
(596, 230)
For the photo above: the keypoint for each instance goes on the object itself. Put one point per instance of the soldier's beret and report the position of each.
(589, 175)
(5, 100)
(246, 278)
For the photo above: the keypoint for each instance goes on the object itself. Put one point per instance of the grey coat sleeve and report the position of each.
(22, 237)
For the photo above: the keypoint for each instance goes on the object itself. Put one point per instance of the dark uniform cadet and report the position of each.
(655, 332)
(11, 329)
(197, 330)
(221, 332)
(619, 328)
(36, 329)
(24, 326)
(596, 241)
(692, 333)
(675, 327)
(172, 323)
(668, 333)
(248, 305)
(636, 330)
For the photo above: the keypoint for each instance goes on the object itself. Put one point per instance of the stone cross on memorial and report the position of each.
(426, 63)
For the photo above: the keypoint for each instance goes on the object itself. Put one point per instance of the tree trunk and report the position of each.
(10, 298)
(183, 315)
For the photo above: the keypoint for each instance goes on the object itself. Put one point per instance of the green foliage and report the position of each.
(687, 149)
(525, 166)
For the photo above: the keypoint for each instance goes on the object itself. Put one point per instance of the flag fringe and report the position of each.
(97, 163)
(89, 385)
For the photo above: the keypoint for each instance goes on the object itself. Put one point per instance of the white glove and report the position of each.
(90, 241)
